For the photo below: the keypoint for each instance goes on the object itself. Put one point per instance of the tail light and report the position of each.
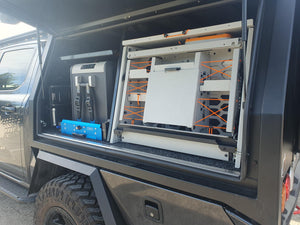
(283, 197)
(287, 185)
(285, 191)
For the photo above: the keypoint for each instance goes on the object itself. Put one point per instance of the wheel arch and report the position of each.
(49, 166)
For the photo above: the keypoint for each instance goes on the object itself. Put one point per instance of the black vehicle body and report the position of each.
(131, 187)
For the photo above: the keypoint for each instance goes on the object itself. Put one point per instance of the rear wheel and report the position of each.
(68, 200)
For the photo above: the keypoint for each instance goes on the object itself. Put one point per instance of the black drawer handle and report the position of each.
(172, 69)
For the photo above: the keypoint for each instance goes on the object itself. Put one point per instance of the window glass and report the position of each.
(13, 68)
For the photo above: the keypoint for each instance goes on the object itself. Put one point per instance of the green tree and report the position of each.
(6, 79)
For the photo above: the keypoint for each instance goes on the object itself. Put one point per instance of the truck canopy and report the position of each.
(225, 128)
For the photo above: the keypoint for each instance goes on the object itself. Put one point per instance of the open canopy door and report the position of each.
(60, 16)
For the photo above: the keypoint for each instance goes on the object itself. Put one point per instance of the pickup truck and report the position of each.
(152, 112)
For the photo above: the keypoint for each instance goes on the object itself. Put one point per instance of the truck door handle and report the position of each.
(8, 109)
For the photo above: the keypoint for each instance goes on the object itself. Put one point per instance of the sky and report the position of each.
(9, 30)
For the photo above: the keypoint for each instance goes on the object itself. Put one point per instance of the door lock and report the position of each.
(8, 109)
(153, 210)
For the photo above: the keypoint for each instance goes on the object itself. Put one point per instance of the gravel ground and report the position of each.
(13, 213)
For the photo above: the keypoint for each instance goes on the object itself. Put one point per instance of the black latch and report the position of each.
(225, 148)
(153, 210)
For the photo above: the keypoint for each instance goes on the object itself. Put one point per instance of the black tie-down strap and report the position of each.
(90, 104)
(85, 98)
(78, 104)
(78, 99)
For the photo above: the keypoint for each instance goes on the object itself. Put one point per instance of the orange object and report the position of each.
(287, 186)
(133, 111)
(138, 99)
(212, 113)
(133, 87)
(216, 71)
(283, 197)
(141, 65)
(199, 125)
(208, 37)
(285, 194)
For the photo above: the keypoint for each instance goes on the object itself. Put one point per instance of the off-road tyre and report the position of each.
(68, 200)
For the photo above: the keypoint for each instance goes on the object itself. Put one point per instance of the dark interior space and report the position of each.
(57, 71)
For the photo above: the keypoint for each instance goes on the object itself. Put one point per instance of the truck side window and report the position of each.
(13, 68)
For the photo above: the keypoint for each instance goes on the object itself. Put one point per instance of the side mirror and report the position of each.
(8, 19)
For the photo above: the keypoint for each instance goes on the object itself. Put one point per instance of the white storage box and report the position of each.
(172, 93)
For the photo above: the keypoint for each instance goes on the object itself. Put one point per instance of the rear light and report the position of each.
(287, 186)
(283, 197)
(285, 191)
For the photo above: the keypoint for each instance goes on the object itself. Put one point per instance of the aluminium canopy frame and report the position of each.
(164, 39)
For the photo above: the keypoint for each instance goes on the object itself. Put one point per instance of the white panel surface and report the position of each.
(233, 91)
(138, 74)
(177, 49)
(171, 97)
(178, 145)
(198, 32)
(215, 85)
